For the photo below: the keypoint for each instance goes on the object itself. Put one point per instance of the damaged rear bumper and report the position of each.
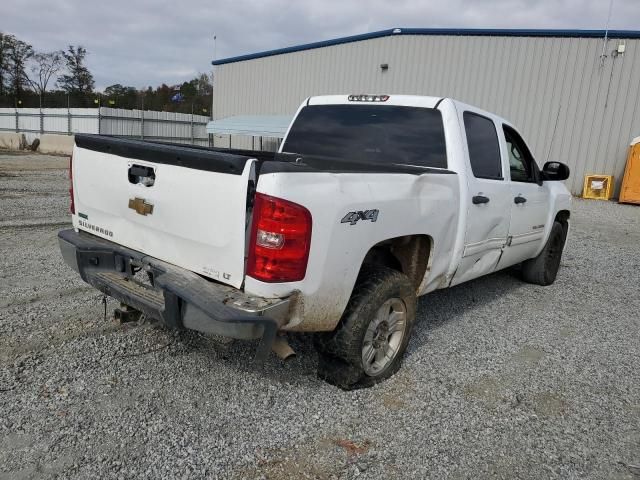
(178, 297)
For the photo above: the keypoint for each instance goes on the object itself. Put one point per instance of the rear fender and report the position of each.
(407, 205)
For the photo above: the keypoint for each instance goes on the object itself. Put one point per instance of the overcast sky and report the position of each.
(148, 42)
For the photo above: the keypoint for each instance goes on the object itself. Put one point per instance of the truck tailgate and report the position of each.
(182, 205)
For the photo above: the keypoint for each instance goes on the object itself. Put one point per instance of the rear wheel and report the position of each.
(372, 336)
(543, 269)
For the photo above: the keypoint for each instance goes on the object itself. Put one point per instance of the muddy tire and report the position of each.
(543, 269)
(372, 336)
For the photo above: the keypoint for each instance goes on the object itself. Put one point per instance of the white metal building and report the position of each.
(574, 94)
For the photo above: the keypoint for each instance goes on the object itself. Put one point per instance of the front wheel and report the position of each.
(372, 336)
(543, 269)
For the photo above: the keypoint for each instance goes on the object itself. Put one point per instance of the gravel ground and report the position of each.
(501, 380)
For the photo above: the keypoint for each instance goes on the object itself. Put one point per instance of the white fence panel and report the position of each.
(28, 119)
(85, 120)
(7, 119)
(120, 122)
(56, 120)
(150, 125)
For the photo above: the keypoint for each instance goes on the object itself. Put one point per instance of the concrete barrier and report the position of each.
(12, 141)
(62, 144)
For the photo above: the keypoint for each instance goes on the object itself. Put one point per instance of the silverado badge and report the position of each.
(141, 206)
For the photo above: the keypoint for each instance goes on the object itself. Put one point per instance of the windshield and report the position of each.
(370, 133)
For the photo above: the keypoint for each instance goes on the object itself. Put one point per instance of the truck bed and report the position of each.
(192, 156)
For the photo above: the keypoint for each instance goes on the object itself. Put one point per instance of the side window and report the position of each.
(522, 166)
(484, 149)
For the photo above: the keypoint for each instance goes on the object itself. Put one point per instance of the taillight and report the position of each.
(72, 206)
(280, 240)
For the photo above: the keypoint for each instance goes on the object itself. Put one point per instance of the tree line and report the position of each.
(61, 78)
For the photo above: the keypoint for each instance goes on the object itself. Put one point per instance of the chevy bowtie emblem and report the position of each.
(140, 206)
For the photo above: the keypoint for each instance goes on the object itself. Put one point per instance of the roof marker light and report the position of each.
(368, 98)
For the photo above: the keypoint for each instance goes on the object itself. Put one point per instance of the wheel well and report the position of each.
(409, 254)
(563, 218)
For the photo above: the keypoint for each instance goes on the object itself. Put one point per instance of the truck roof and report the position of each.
(423, 101)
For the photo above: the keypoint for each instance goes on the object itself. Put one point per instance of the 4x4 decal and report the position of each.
(353, 217)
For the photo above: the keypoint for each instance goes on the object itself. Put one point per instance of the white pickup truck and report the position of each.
(370, 202)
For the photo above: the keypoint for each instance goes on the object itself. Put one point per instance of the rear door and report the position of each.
(530, 204)
(488, 200)
(176, 204)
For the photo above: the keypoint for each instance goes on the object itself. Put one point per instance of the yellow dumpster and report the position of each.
(630, 190)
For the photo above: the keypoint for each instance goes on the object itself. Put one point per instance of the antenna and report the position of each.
(553, 135)
(603, 55)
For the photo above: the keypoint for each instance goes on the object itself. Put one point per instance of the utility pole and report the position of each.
(213, 68)
(68, 115)
(99, 99)
(192, 123)
(213, 83)
(41, 115)
(142, 116)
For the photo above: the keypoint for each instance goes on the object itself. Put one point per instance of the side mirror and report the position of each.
(555, 171)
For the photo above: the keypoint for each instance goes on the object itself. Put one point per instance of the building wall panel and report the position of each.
(568, 104)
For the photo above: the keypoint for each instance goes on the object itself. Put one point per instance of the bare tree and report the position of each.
(44, 66)
(18, 54)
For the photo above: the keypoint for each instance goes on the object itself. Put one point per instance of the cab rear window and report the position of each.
(370, 133)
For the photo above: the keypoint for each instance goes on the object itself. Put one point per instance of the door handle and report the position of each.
(519, 199)
(478, 199)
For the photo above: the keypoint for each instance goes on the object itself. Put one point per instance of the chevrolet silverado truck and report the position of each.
(370, 202)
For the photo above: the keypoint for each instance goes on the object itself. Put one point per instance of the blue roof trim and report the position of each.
(497, 32)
